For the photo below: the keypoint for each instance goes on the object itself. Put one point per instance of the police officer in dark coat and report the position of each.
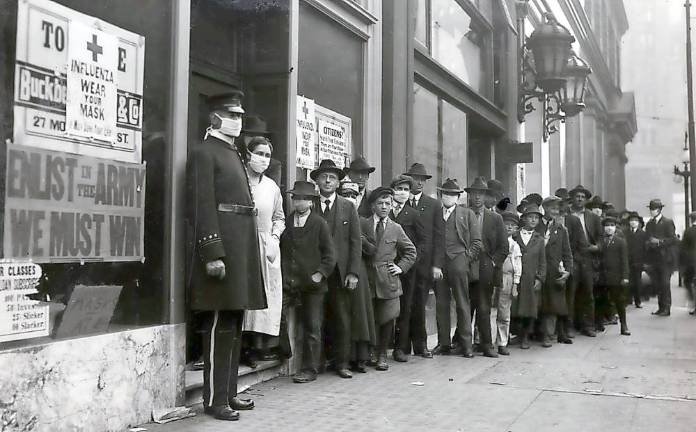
(225, 270)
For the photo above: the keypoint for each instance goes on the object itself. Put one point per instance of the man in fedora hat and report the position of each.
(359, 171)
(661, 239)
(636, 240)
(410, 326)
(391, 254)
(494, 250)
(307, 260)
(584, 272)
(429, 266)
(344, 224)
(459, 250)
(494, 195)
(596, 205)
(226, 277)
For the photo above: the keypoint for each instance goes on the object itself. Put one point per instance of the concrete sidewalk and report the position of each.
(645, 382)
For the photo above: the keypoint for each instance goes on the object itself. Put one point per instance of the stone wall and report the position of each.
(98, 383)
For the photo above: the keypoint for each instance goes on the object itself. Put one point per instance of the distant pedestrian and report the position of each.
(659, 255)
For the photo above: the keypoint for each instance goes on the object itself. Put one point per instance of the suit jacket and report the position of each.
(410, 221)
(346, 238)
(430, 215)
(494, 245)
(577, 237)
(364, 209)
(688, 248)
(216, 175)
(305, 251)
(614, 253)
(469, 234)
(557, 250)
(664, 231)
(394, 247)
(636, 247)
(593, 227)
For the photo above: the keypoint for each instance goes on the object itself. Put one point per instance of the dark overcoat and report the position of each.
(557, 251)
(533, 268)
(430, 215)
(364, 209)
(494, 247)
(636, 247)
(410, 221)
(222, 226)
(345, 232)
(661, 255)
(614, 268)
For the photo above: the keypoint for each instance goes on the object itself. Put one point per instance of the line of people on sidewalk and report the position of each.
(357, 265)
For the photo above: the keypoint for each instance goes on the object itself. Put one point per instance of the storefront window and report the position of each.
(421, 21)
(330, 69)
(142, 293)
(458, 43)
(439, 128)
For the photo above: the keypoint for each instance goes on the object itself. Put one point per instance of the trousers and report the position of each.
(661, 275)
(481, 298)
(582, 283)
(454, 284)
(411, 322)
(340, 313)
(222, 341)
(503, 303)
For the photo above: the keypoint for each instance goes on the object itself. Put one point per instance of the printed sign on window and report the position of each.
(78, 83)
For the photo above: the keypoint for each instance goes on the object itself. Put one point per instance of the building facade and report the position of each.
(590, 148)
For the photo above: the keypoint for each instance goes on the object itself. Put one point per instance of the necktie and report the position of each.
(414, 203)
(327, 204)
(397, 210)
(379, 230)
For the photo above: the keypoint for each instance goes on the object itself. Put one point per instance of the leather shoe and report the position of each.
(222, 412)
(344, 373)
(241, 404)
(467, 352)
(399, 356)
(571, 333)
(546, 343)
(565, 340)
(657, 312)
(693, 312)
(503, 351)
(588, 332)
(426, 353)
(625, 331)
(382, 364)
(639, 306)
(442, 350)
(304, 377)
(360, 367)
(524, 343)
(664, 313)
(489, 352)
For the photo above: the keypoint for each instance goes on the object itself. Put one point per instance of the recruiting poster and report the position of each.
(306, 133)
(333, 136)
(78, 83)
(21, 317)
(62, 207)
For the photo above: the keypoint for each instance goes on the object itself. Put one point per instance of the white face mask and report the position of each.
(230, 126)
(259, 164)
(634, 224)
(597, 211)
(401, 196)
(654, 212)
(449, 200)
(610, 230)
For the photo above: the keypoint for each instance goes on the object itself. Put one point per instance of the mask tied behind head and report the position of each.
(229, 126)
(654, 212)
(401, 196)
(609, 230)
(449, 200)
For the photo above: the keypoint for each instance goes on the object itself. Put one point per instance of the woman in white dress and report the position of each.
(268, 199)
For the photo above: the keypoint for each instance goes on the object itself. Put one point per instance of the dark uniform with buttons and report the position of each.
(221, 217)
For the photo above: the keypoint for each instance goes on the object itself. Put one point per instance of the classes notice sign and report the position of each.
(21, 317)
(65, 208)
(305, 133)
(78, 83)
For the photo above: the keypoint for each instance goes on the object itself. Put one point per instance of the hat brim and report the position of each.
(425, 176)
(452, 191)
(654, 207)
(368, 170)
(586, 192)
(303, 195)
(532, 212)
(314, 174)
(471, 189)
(551, 201)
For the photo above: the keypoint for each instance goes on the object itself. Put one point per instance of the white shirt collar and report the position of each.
(657, 218)
(446, 212)
(301, 220)
(331, 199)
(221, 136)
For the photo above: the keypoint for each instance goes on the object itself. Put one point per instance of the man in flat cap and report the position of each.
(359, 171)
(428, 267)
(584, 272)
(391, 254)
(225, 267)
(411, 322)
(661, 240)
(344, 224)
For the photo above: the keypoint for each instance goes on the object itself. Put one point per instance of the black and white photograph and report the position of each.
(347, 215)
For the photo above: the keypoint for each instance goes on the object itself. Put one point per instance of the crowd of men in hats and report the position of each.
(358, 265)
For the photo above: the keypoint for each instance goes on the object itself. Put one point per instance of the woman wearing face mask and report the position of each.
(270, 222)
(636, 239)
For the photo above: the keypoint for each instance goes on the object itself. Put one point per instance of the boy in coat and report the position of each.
(392, 255)
(511, 274)
(636, 239)
(307, 260)
(559, 264)
(533, 270)
(614, 268)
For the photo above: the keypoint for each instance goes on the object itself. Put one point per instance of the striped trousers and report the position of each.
(222, 340)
